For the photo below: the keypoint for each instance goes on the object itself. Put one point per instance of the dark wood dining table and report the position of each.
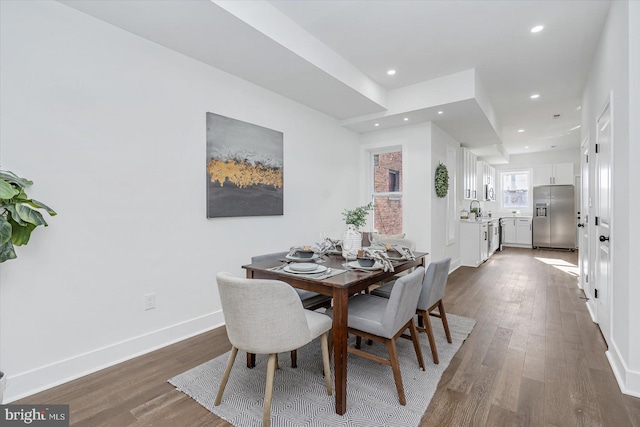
(340, 287)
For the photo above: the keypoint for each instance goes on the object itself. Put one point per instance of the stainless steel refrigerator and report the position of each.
(553, 217)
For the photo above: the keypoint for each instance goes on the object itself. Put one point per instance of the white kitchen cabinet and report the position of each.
(474, 242)
(487, 175)
(469, 175)
(516, 231)
(494, 237)
(558, 174)
(509, 231)
(523, 231)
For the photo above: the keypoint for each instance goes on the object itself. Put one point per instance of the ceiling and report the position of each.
(334, 55)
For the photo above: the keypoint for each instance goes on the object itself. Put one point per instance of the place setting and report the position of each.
(306, 261)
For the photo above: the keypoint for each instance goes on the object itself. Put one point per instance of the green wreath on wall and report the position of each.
(442, 180)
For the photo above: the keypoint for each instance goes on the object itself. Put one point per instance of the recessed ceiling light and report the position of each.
(440, 112)
(526, 146)
(537, 28)
(579, 107)
(391, 72)
(377, 124)
(406, 119)
(535, 96)
(520, 130)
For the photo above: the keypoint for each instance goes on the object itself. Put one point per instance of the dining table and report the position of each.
(340, 287)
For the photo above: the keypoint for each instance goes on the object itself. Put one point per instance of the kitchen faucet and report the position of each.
(479, 209)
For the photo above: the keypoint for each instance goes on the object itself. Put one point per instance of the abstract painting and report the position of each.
(244, 169)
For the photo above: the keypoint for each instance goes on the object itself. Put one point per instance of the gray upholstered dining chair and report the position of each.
(310, 300)
(397, 241)
(433, 289)
(267, 317)
(384, 320)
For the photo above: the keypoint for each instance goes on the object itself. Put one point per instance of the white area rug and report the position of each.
(300, 397)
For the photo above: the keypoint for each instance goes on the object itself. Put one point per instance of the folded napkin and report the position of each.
(380, 257)
(329, 246)
(404, 251)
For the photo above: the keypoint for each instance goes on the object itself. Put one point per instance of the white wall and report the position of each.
(111, 128)
(610, 73)
(440, 142)
(633, 380)
(415, 141)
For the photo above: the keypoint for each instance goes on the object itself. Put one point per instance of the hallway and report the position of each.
(535, 358)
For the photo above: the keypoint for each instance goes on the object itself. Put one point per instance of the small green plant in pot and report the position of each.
(19, 215)
(358, 216)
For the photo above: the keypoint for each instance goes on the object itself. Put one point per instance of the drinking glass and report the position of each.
(347, 245)
(375, 239)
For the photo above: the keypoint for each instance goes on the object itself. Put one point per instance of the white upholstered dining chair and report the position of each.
(310, 300)
(267, 317)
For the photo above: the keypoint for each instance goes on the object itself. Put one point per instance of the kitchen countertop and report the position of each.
(479, 220)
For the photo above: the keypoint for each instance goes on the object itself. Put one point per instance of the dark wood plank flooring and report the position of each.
(534, 358)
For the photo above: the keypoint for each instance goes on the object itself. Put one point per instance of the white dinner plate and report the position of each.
(292, 268)
(298, 259)
(356, 264)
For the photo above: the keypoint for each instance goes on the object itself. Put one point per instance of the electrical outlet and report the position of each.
(150, 301)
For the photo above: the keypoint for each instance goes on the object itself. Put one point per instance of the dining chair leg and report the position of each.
(416, 344)
(443, 316)
(324, 345)
(225, 376)
(358, 342)
(268, 390)
(432, 340)
(395, 366)
(294, 358)
(251, 360)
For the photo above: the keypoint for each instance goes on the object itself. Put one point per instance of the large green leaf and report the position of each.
(7, 191)
(13, 214)
(37, 204)
(5, 230)
(12, 177)
(21, 234)
(6, 252)
(30, 215)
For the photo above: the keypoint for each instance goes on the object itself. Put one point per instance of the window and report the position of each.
(394, 181)
(515, 190)
(387, 191)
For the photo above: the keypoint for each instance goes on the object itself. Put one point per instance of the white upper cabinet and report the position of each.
(559, 174)
(486, 189)
(469, 175)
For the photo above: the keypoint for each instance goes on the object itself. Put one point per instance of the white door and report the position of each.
(603, 220)
(583, 223)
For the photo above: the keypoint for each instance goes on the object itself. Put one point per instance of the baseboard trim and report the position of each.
(628, 380)
(455, 264)
(592, 313)
(45, 377)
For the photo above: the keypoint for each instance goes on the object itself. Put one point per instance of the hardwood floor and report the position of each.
(534, 358)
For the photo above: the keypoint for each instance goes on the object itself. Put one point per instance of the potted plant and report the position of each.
(19, 216)
(352, 238)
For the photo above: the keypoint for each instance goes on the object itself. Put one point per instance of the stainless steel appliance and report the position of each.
(553, 217)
